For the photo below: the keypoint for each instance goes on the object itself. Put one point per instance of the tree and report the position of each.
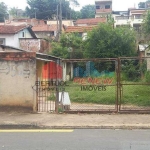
(141, 4)
(75, 15)
(146, 24)
(15, 12)
(105, 41)
(3, 12)
(88, 11)
(47, 9)
(69, 46)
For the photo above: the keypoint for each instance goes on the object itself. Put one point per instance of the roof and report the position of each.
(10, 29)
(46, 57)
(79, 29)
(143, 47)
(11, 47)
(4, 29)
(44, 28)
(103, 1)
(91, 21)
(133, 11)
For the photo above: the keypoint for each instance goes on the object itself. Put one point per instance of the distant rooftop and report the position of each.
(91, 21)
(103, 1)
(79, 29)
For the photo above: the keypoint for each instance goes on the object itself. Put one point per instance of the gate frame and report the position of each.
(116, 85)
(120, 86)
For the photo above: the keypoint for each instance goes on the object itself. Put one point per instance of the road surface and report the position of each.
(78, 139)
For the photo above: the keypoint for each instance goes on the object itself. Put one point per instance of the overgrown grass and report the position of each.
(98, 97)
(138, 95)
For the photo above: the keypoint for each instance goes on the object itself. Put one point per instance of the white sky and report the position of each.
(117, 4)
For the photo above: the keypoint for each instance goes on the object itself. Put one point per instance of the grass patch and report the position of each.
(138, 95)
(97, 97)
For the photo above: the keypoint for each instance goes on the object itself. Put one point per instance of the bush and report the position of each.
(147, 76)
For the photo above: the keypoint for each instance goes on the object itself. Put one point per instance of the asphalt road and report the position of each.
(81, 139)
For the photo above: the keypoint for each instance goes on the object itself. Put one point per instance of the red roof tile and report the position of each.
(4, 29)
(42, 28)
(79, 29)
(91, 21)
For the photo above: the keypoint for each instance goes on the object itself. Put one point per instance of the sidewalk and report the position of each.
(60, 121)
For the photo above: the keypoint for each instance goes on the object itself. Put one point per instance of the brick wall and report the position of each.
(35, 45)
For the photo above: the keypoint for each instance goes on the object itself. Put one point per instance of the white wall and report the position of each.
(13, 39)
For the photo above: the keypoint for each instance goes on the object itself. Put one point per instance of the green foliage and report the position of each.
(46, 9)
(52, 97)
(146, 24)
(69, 46)
(131, 70)
(147, 76)
(105, 41)
(75, 15)
(3, 12)
(137, 95)
(16, 13)
(88, 11)
(141, 4)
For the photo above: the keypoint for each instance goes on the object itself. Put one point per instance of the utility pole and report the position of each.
(57, 19)
(60, 17)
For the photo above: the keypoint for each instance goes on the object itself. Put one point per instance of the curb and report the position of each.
(32, 126)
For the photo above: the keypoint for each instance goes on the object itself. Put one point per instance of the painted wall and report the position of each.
(17, 77)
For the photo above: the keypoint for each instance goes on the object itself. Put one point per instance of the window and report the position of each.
(138, 16)
(2, 41)
(97, 7)
(107, 6)
(122, 17)
(22, 34)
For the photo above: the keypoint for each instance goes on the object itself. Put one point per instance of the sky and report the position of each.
(120, 5)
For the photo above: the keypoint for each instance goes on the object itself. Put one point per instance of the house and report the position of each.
(90, 21)
(103, 8)
(11, 35)
(81, 30)
(64, 22)
(45, 31)
(22, 37)
(133, 18)
(136, 17)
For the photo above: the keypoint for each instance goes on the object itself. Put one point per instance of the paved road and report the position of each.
(83, 139)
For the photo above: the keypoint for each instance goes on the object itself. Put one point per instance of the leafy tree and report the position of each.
(3, 12)
(88, 11)
(47, 9)
(105, 41)
(15, 12)
(146, 24)
(69, 46)
(75, 15)
(141, 5)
